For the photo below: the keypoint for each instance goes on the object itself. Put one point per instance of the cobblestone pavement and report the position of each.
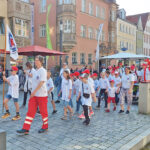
(106, 131)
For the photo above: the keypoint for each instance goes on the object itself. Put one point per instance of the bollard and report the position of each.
(144, 98)
(2, 140)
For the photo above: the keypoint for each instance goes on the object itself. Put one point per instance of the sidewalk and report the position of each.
(107, 131)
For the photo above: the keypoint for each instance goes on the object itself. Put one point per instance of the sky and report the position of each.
(134, 6)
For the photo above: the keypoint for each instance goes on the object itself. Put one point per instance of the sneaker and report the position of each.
(6, 115)
(121, 111)
(114, 109)
(42, 130)
(54, 112)
(84, 122)
(17, 117)
(23, 132)
(107, 110)
(81, 116)
(97, 107)
(64, 118)
(127, 112)
(58, 101)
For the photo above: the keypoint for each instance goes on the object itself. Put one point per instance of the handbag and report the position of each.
(85, 95)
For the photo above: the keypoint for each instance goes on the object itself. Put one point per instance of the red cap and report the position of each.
(76, 74)
(94, 75)
(113, 71)
(86, 71)
(120, 63)
(117, 67)
(132, 67)
(145, 65)
(112, 81)
(14, 68)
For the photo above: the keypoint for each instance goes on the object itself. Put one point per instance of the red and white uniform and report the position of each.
(145, 74)
(111, 94)
(39, 100)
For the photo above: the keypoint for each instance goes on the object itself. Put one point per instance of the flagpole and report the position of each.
(4, 66)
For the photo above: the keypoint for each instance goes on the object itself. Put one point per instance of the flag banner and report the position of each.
(99, 35)
(11, 45)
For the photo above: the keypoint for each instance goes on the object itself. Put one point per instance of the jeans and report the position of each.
(78, 105)
(102, 91)
(85, 108)
(116, 98)
(25, 97)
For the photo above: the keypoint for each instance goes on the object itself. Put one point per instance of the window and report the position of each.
(43, 30)
(103, 13)
(113, 16)
(91, 8)
(74, 58)
(102, 38)
(21, 27)
(2, 28)
(83, 9)
(82, 58)
(89, 59)
(67, 26)
(43, 6)
(97, 11)
(60, 2)
(67, 1)
(83, 31)
(126, 29)
(73, 27)
(113, 37)
(90, 33)
(120, 27)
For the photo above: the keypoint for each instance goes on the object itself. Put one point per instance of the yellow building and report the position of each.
(3, 17)
(126, 34)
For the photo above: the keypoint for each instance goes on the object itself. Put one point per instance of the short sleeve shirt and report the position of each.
(126, 81)
(112, 91)
(38, 76)
(50, 84)
(117, 81)
(103, 83)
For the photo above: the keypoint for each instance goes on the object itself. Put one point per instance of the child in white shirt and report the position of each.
(50, 88)
(86, 91)
(111, 95)
(66, 90)
(13, 93)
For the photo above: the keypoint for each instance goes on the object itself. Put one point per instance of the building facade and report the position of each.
(139, 33)
(126, 34)
(81, 20)
(45, 25)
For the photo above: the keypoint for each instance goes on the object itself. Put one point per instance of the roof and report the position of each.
(135, 18)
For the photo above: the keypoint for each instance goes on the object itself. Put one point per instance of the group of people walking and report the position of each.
(113, 84)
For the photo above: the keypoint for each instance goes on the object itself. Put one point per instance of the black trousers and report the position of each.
(25, 97)
(85, 109)
(102, 91)
(116, 98)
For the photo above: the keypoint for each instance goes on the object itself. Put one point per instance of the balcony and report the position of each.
(69, 41)
(66, 8)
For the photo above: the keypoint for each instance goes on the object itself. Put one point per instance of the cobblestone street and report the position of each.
(106, 131)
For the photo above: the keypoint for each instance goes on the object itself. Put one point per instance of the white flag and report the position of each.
(99, 35)
(11, 45)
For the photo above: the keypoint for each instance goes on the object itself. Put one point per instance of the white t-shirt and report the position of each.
(38, 76)
(91, 81)
(13, 88)
(103, 83)
(66, 86)
(111, 77)
(134, 76)
(112, 91)
(88, 89)
(96, 84)
(77, 86)
(147, 74)
(126, 81)
(50, 84)
(117, 81)
(29, 80)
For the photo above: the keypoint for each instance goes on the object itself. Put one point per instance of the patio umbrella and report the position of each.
(38, 50)
(125, 56)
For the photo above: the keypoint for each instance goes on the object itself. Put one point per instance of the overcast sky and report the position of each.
(134, 6)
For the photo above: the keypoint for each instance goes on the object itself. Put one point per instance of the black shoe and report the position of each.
(42, 130)
(84, 122)
(127, 112)
(121, 111)
(23, 132)
(87, 123)
(58, 101)
(54, 112)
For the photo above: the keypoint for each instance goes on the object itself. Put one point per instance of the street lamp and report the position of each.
(61, 42)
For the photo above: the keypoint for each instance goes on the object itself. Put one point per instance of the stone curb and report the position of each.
(2, 140)
(139, 142)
